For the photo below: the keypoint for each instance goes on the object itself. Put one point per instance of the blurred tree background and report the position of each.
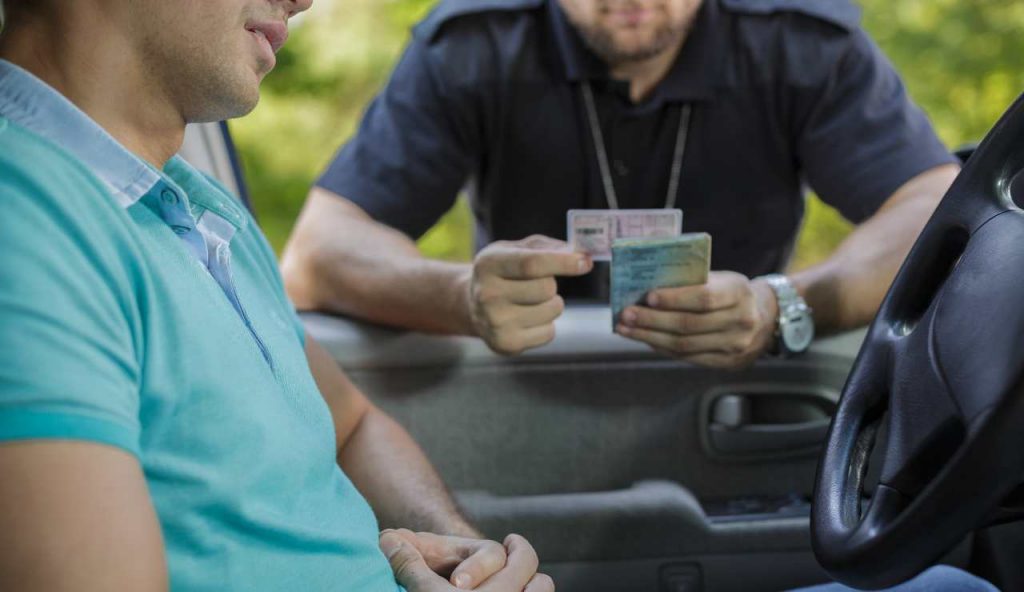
(963, 61)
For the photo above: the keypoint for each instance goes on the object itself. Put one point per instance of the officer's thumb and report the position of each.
(410, 569)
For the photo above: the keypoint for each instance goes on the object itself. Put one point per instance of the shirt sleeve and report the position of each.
(414, 149)
(68, 363)
(860, 136)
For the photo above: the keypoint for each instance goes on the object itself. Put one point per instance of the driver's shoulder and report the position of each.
(36, 172)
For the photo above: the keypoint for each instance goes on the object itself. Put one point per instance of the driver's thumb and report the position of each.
(407, 563)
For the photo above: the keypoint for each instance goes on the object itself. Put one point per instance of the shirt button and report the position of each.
(179, 230)
(169, 197)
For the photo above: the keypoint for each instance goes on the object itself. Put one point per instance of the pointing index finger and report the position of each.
(519, 263)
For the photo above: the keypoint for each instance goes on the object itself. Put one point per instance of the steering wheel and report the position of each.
(941, 372)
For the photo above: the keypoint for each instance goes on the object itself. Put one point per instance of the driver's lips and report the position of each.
(268, 37)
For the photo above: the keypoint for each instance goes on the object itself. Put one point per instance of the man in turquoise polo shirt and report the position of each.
(164, 419)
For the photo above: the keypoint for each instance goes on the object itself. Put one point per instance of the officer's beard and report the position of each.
(603, 43)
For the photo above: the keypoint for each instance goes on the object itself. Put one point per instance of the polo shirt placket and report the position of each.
(208, 240)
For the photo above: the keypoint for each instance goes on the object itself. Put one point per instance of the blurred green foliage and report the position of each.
(963, 61)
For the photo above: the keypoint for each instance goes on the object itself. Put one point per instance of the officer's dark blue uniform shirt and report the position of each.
(782, 94)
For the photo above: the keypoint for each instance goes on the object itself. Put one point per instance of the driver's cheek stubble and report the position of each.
(225, 77)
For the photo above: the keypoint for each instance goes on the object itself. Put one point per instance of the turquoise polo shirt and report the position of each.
(143, 310)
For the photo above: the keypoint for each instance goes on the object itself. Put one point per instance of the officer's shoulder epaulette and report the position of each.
(841, 13)
(449, 10)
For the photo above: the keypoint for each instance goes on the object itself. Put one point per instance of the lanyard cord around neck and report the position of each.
(602, 154)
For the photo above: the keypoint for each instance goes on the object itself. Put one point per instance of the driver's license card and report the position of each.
(594, 231)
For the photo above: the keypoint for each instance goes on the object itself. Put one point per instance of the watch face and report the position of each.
(798, 332)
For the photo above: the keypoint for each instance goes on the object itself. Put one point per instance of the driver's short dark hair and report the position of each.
(18, 10)
(7, 10)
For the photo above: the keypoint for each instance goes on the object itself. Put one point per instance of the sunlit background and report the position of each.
(963, 61)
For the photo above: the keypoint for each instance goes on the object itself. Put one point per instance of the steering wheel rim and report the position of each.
(942, 370)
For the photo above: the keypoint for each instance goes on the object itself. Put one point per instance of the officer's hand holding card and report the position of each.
(727, 322)
(664, 294)
(512, 295)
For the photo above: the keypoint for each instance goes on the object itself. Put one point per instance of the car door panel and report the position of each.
(605, 455)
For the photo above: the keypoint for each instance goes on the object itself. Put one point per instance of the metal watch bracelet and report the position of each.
(794, 328)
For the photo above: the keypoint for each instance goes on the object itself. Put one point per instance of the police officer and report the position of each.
(726, 109)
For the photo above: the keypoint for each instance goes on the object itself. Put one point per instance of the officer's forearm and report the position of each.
(846, 290)
(340, 260)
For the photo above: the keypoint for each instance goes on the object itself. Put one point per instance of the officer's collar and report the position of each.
(692, 76)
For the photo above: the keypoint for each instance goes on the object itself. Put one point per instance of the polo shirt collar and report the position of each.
(34, 105)
(29, 102)
(693, 76)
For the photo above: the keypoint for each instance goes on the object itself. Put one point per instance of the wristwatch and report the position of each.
(795, 329)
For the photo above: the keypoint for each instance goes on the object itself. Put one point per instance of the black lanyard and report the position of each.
(602, 154)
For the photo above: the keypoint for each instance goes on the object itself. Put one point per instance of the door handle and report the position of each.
(744, 425)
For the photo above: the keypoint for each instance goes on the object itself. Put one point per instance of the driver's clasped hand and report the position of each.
(425, 562)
